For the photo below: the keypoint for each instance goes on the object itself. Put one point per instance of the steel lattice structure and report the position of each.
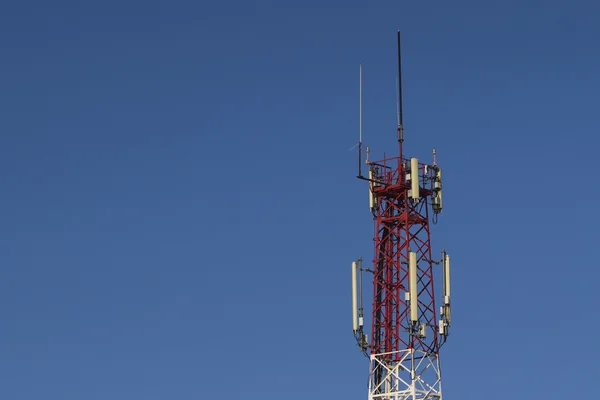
(401, 225)
(407, 331)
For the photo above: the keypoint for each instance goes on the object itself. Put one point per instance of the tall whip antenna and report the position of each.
(400, 121)
(360, 105)
(397, 103)
(360, 123)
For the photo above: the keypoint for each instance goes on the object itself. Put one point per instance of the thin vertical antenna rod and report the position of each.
(400, 121)
(360, 123)
(397, 103)
(360, 106)
(399, 83)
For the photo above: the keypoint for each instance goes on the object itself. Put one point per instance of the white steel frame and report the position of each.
(416, 376)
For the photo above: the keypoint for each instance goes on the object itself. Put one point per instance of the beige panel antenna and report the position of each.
(414, 291)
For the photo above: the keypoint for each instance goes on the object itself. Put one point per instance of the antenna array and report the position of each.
(406, 333)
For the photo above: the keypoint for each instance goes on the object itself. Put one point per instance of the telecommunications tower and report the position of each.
(406, 329)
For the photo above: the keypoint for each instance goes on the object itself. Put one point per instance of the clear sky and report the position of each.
(180, 208)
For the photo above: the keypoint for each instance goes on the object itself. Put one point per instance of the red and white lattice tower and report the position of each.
(407, 330)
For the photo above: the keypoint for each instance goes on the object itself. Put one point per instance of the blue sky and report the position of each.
(180, 206)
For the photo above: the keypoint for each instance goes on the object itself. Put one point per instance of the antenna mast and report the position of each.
(400, 120)
(360, 124)
(360, 105)
(406, 330)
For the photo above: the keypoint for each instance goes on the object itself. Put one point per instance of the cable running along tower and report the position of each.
(406, 329)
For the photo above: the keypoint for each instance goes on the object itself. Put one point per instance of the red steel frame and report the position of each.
(401, 225)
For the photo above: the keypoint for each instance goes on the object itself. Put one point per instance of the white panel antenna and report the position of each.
(414, 178)
(414, 291)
